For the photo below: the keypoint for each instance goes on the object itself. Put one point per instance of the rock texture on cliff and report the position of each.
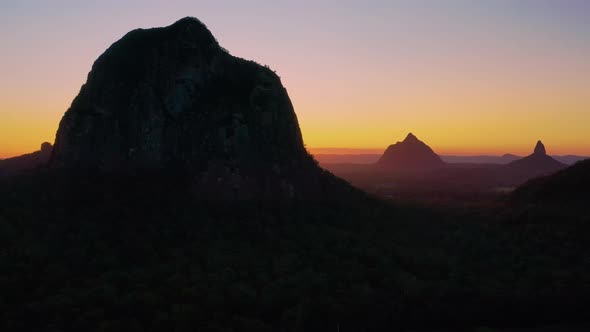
(173, 97)
(410, 155)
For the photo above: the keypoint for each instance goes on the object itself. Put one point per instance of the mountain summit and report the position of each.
(411, 138)
(410, 155)
(540, 149)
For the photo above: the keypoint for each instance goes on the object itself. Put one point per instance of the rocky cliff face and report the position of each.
(172, 101)
(172, 97)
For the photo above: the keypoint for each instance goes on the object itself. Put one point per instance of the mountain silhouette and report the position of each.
(410, 155)
(16, 165)
(172, 98)
(536, 164)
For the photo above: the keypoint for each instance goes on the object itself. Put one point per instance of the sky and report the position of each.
(466, 77)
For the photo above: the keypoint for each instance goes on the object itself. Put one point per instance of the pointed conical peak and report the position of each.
(540, 149)
(410, 138)
(411, 154)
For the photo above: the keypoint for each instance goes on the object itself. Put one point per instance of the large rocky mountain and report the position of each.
(410, 155)
(173, 98)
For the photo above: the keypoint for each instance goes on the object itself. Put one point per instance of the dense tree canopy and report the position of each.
(141, 254)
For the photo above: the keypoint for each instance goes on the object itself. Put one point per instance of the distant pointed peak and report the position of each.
(540, 149)
(410, 154)
(410, 137)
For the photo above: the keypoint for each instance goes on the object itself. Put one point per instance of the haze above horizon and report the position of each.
(466, 77)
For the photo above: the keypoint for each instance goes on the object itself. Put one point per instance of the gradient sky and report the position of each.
(467, 77)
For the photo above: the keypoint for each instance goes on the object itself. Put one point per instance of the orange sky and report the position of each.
(465, 77)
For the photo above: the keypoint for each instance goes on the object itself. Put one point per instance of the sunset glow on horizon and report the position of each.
(467, 78)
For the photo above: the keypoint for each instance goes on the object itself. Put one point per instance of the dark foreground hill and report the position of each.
(141, 253)
(570, 186)
(122, 231)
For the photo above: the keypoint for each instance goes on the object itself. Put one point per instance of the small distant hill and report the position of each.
(410, 155)
(13, 166)
(534, 165)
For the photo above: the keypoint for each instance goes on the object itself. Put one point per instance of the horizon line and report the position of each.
(458, 152)
(373, 150)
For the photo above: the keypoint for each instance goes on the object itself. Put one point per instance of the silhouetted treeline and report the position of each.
(141, 254)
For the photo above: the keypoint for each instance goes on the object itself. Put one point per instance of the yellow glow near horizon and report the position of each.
(477, 125)
(492, 124)
(465, 79)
